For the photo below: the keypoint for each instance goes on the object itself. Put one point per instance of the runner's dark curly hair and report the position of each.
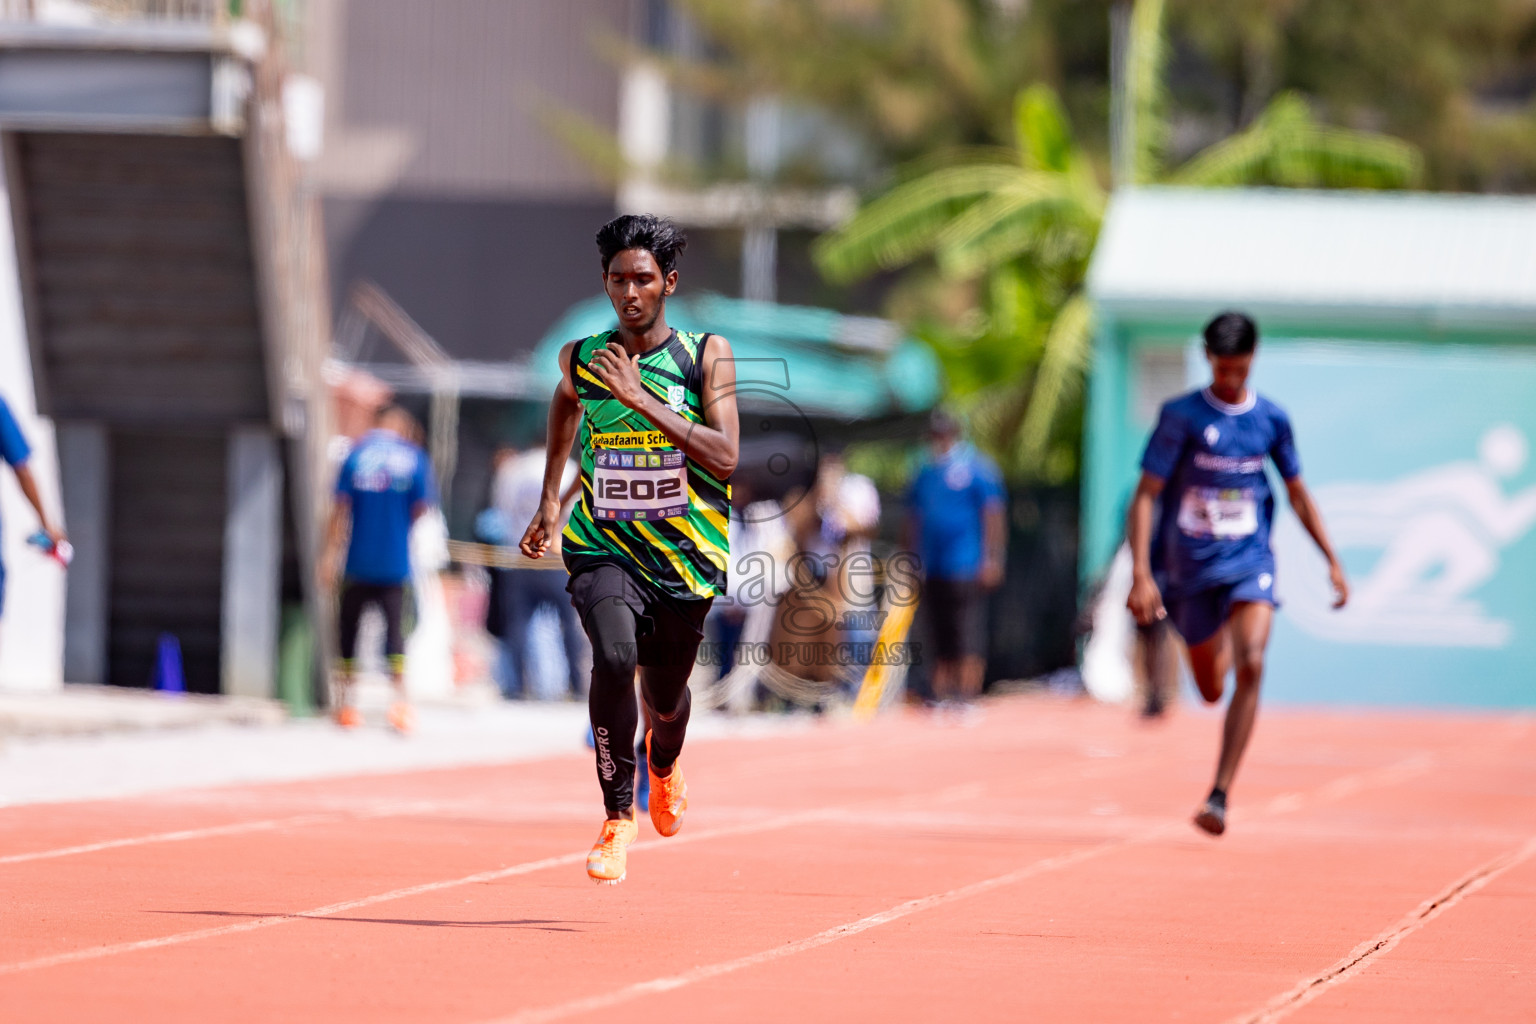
(1231, 334)
(656, 235)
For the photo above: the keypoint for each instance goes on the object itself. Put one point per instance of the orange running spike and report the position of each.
(607, 863)
(669, 796)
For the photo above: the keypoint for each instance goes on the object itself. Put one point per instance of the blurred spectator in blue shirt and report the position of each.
(955, 525)
(384, 485)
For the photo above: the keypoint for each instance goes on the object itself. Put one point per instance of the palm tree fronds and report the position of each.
(1067, 350)
(1022, 190)
(1049, 230)
(1041, 129)
(1287, 147)
(1147, 94)
(904, 224)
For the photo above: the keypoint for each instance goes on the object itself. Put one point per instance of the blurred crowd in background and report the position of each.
(896, 208)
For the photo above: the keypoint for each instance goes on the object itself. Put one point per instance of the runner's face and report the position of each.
(637, 288)
(1229, 376)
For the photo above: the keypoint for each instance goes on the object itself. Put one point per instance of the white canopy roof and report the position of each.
(1443, 258)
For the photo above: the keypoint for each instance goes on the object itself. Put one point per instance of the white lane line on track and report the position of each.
(1391, 773)
(528, 867)
(842, 931)
(232, 829)
(1346, 785)
(1362, 955)
(378, 810)
(389, 809)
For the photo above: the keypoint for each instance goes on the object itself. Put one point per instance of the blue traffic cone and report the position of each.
(168, 675)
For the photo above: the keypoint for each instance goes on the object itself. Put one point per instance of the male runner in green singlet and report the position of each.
(646, 542)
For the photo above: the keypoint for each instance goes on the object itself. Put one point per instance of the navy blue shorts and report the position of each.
(2, 588)
(1198, 616)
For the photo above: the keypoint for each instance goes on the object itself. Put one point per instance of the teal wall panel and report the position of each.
(1419, 457)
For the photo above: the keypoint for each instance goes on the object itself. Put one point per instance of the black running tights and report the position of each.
(611, 702)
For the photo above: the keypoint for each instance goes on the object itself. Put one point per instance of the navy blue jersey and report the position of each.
(384, 479)
(1217, 506)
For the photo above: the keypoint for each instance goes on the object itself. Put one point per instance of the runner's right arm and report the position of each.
(1145, 602)
(28, 484)
(1164, 452)
(564, 417)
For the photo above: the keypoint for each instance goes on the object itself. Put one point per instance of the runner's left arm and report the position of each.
(1284, 454)
(1306, 511)
(713, 444)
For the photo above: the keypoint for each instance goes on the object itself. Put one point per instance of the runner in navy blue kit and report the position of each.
(1206, 462)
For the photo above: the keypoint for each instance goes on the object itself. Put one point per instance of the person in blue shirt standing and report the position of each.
(384, 485)
(17, 453)
(955, 524)
(1205, 461)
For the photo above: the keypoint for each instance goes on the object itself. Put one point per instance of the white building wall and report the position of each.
(32, 626)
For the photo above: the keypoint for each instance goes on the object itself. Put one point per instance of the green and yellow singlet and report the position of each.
(644, 504)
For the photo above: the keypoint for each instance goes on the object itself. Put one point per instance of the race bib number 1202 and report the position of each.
(637, 484)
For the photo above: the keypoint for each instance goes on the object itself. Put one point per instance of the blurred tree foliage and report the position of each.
(1457, 78)
(991, 203)
(1023, 223)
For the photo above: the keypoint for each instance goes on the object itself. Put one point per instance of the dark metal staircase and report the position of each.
(173, 288)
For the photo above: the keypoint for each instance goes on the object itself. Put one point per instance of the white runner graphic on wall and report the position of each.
(1441, 533)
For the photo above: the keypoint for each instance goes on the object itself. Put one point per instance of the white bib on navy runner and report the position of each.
(1222, 514)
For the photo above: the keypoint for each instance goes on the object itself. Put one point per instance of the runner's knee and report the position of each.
(614, 660)
(1210, 686)
(1250, 665)
(611, 626)
(669, 706)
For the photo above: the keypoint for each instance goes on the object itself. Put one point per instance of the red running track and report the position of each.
(1037, 866)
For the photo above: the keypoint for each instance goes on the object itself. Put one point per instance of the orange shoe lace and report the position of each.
(670, 789)
(610, 842)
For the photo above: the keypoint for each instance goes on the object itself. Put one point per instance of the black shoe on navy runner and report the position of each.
(1212, 816)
